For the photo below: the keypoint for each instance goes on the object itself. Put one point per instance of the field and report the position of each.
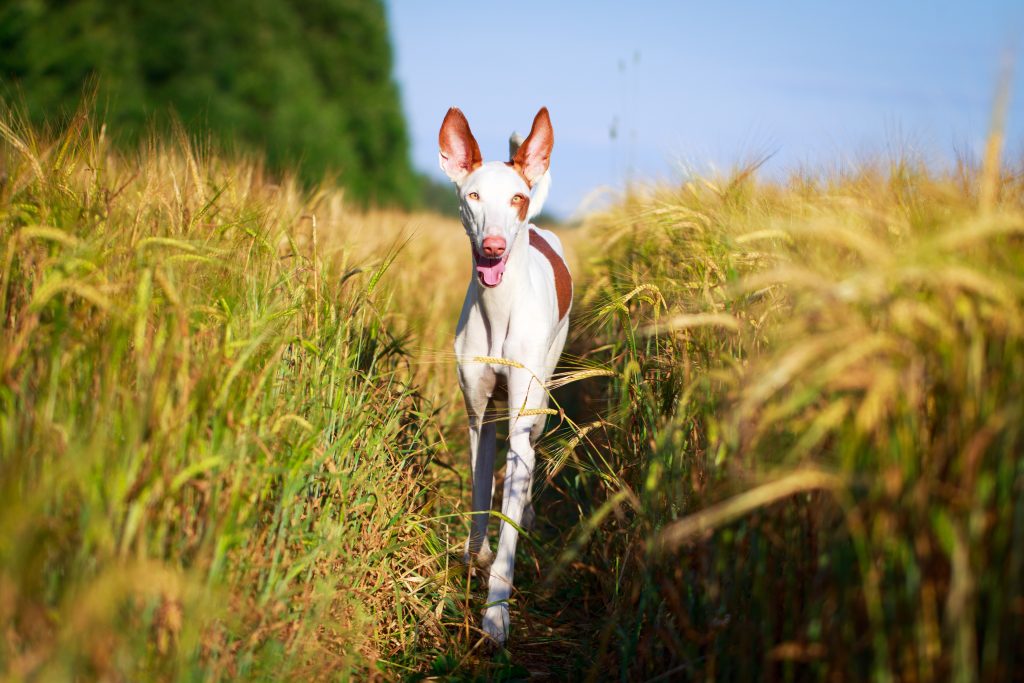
(231, 441)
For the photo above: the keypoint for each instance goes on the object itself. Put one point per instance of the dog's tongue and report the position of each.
(490, 270)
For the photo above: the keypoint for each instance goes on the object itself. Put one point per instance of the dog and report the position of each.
(516, 311)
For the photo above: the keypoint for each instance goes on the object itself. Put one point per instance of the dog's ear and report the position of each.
(460, 155)
(515, 141)
(534, 156)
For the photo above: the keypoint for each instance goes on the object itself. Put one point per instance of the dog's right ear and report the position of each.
(533, 156)
(460, 155)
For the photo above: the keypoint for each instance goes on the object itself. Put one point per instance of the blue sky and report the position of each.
(694, 87)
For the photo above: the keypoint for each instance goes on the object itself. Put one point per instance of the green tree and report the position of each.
(308, 82)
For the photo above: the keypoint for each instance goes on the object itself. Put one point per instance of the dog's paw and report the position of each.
(496, 622)
(479, 562)
(480, 558)
(484, 557)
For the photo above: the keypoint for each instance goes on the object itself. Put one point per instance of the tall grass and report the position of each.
(212, 455)
(811, 458)
(231, 441)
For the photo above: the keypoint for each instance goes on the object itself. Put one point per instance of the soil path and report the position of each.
(554, 622)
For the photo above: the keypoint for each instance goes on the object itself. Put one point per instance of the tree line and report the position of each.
(308, 83)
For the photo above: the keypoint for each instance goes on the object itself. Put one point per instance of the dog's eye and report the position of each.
(474, 196)
(517, 198)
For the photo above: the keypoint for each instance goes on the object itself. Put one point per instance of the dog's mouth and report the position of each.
(489, 270)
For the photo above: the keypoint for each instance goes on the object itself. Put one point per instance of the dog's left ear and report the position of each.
(534, 156)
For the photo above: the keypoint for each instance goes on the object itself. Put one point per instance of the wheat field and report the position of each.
(231, 441)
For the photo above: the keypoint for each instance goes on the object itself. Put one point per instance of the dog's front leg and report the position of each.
(482, 446)
(525, 393)
(477, 382)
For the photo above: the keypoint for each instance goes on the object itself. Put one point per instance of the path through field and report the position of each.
(553, 621)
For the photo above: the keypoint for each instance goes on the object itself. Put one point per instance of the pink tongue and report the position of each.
(490, 270)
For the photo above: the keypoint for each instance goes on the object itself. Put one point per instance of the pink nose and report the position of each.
(494, 247)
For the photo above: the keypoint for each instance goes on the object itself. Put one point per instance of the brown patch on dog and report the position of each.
(524, 206)
(518, 169)
(563, 281)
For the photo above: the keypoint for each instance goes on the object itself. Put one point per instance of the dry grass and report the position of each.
(423, 288)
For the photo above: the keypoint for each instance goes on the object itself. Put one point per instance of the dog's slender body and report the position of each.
(516, 309)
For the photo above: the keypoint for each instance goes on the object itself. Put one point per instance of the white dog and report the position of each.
(516, 309)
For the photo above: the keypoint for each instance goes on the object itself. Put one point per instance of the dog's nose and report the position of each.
(493, 246)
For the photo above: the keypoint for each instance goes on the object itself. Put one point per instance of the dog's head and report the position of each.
(496, 199)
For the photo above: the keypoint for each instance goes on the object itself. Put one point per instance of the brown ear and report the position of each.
(460, 155)
(534, 156)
